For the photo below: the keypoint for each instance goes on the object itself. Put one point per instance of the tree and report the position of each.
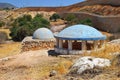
(71, 19)
(55, 17)
(26, 25)
(86, 21)
(38, 22)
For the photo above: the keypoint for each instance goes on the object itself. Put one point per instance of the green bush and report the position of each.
(2, 23)
(71, 19)
(86, 21)
(26, 25)
(55, 17)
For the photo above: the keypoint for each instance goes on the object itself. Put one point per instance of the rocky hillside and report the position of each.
(6, 5)
(9, 16)
(103, 5)
(104, 10)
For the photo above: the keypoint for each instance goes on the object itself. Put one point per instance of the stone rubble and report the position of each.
(89, 62)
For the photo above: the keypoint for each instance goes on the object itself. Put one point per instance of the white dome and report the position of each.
(43, 34)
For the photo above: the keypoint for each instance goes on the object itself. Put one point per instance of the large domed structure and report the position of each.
(81, 32)
(43, 34)
(78, 38)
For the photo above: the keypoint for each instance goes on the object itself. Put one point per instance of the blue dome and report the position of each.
(80, 32)
(43, 34)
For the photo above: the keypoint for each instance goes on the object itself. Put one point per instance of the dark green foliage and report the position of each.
(71, 19)
(25, 26)
(86, 21)
(2, 23)
(6, 8)
(55, 17)
(3, 37)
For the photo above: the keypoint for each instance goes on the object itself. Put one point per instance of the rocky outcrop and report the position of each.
(89, 62)
(116, 41)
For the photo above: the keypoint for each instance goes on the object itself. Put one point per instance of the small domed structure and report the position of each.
(78, 38)
(43, 34)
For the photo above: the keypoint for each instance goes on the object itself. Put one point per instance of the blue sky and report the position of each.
(26, 3)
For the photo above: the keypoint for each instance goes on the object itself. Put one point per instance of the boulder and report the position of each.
(89, 62)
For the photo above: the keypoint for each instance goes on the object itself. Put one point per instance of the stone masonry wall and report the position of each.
(35, 44)
(104, 23)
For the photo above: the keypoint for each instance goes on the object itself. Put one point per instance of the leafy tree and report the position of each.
(71, 19)
(55, 17)
(86, 21)
(38, 22)
(25, 26)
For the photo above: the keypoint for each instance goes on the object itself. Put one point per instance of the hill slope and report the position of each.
(6, 5)
(74, 7)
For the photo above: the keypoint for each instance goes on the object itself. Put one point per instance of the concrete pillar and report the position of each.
(84, 46)
(101, 43)
(75, 41)
(57, 42)
(69, 44)
(95, 45)
(60, 43)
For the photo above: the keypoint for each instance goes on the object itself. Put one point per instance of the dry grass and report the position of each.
(6, 31)
(58, 22)
(9, 49)
(63, 66)
(107, 52)
(42, 71)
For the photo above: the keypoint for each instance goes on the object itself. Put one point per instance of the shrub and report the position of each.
(71, 19)
(2, 23)
(86, 21)
(3, 37)
(55, 17)
(25, 26)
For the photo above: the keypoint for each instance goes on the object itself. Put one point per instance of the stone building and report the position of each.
(78, 38)
(42, 39)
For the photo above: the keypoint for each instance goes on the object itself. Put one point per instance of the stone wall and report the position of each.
(104, 23)
(35, 44)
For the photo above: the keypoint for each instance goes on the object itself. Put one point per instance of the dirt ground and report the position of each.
(37, 65)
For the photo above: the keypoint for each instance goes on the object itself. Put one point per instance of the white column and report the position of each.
(57, 42)
(83, 45)
(69, 44)
(60, 44)
(95, 45)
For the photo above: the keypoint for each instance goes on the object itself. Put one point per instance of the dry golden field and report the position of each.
(9, 49)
